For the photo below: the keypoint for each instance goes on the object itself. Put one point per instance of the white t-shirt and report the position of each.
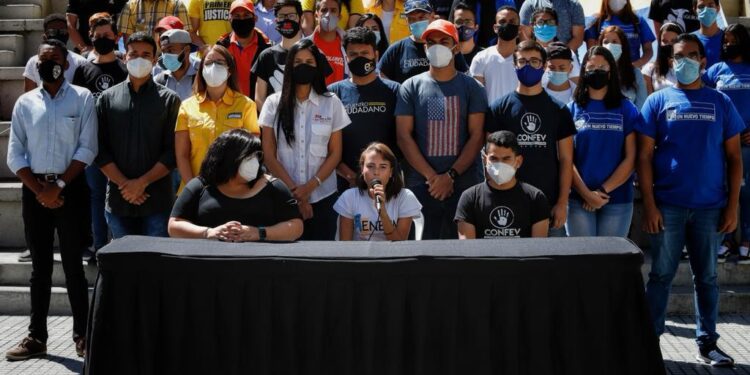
(74, 61)
(357, 205)
(649, 70)
(498, 72)
(315, 120)
(565, 96)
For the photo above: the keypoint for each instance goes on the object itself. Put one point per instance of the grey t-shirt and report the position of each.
(569, 14)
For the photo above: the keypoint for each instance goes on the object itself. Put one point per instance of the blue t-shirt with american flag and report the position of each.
(441, 112)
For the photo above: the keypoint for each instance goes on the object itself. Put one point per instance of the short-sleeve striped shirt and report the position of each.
(144, 15)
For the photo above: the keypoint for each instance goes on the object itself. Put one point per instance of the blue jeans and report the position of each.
(697, 230)
(612, 220)
(97, 182)
(154, 225)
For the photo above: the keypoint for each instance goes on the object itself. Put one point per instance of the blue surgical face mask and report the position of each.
(557, 78)
(172, 61)
(615, 49)
(418, 28)
(686, 70)
(545, 33)
(707, 16)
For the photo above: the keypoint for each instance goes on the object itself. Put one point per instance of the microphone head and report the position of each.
(375, 181)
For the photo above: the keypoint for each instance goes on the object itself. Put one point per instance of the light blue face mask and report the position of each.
(707, 16)
(615, 49)
(545, 33)
(377, 37)
(171, 61)
(557, 78)
(418, 28)
(686, 70)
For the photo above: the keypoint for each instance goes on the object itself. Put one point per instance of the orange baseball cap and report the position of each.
(248, 5)
(169, 23)
(443, 26)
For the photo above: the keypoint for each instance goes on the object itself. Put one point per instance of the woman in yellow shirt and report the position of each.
(217, 106)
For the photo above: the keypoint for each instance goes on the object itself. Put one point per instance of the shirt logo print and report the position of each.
(531, 122)
(104, 82)
(442, 126)
(501, 217)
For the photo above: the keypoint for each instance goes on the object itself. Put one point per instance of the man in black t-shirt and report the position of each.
(269, 67)
(544, 128)
(502, 206)
(680, 12)
(78, 13)
(370, 103)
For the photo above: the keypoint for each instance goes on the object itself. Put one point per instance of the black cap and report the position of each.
(559, 50)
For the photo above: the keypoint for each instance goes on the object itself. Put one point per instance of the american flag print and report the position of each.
(443, 126)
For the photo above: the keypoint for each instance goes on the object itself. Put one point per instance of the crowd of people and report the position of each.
(388, 120)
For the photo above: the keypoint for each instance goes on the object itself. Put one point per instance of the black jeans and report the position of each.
(71, 222)
(322, 226)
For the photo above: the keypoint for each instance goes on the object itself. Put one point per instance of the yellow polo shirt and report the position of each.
(205, 120)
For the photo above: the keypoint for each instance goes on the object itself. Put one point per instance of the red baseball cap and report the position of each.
(244, 4)
(443, 26)
(169, 23)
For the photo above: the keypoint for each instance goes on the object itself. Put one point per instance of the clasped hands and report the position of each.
(233, 231)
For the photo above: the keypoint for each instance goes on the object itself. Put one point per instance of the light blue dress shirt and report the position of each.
(47, 133)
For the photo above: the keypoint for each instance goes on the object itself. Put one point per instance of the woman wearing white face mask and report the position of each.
(632, 83)
(216, 106)
(502, 206)
(639, 35)
(232, 199)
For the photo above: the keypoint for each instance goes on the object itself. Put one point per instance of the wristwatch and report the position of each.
(261, 233)
(60, 183)
(453, 174)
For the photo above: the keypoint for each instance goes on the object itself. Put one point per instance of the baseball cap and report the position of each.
(175, 36)
(414, 5)
(443, 26)
(559, 50)
(169, 23)
(236, 4)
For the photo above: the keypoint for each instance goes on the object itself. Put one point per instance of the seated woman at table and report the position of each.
(232, 199)
(359, 217)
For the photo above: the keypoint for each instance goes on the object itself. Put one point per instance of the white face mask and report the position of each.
(215, 74)
(139, 67)
(248, 169)
(500, 172)
(615, 49)
(439, 55)
(617, 5)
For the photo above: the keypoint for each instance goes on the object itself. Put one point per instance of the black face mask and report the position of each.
(362, 66)
(103, 45)
(304, 74)
(665, 50)
(50, 71)
(243, 28)
(731, 51)
(507, 32)
(596, 79)
(287, 28)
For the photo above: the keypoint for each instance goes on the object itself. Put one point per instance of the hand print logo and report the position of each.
(531, 122)
(501, 217)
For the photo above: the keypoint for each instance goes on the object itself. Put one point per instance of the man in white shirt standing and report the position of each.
(493, 67)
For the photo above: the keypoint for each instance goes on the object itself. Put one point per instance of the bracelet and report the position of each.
(318, 179)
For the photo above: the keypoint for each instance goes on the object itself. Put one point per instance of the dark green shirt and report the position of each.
(136, 131)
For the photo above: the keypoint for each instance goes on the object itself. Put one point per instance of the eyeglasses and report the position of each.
(288, 16)
(211, 62)
(56, 32)
(549, 22)
(534, 62)
(459, 23)
(602, 68)
(692, 56)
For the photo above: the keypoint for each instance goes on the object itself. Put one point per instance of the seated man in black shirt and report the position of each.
(233, 199)
(502, 206)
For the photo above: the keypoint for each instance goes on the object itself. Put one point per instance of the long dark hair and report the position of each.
(613, 98)
(662, 60)
(624, 65)
(395, 184)
(383, 45)
(742, 39)
(225, 155)
(288, 99)
(626, 15)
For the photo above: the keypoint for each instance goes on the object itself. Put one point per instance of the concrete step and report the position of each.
(12, 50)
(11, 87)
(15, 273)
(5, 173)
(29, 29)
(16, 300)
(21, 11)
(10, 215)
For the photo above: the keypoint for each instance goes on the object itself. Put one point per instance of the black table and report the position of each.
(545, 306)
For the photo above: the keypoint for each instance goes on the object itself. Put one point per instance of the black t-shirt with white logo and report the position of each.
(676, 11)
(502, 213)
(99, 77)
(270, 67)
(538, 121)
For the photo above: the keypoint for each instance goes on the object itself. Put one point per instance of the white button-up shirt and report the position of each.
(47, 133)
(315, 119)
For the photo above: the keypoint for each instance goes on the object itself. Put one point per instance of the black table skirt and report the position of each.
(199, 307)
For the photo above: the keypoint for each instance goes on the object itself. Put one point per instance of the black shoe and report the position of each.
(25, 256)
(89, 256)
(714, 356)
(743, 259)
(684, 255)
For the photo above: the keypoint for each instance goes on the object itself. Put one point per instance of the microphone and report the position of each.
(378, 201)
